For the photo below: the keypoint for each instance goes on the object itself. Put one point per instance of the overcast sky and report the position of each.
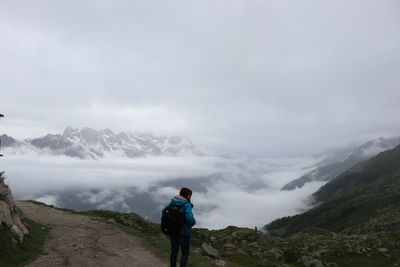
(267, 78)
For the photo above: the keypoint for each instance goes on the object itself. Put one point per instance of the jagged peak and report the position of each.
(69, 131)
(87, 142)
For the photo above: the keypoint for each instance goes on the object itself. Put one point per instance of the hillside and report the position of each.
(340, 161)
(365, 199)
(94, 238)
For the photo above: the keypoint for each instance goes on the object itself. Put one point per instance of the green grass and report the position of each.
(13, 253)
(54, 207)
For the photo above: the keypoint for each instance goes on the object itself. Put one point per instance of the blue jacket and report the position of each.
(186, 207)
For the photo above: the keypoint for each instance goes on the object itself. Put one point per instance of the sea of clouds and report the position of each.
(239, 191)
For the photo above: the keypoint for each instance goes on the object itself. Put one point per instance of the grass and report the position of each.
(13, 253)
(54, 207)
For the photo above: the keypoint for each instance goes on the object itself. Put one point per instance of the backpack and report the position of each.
(172, 220)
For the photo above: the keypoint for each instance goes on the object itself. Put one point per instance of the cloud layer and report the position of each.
(224, 189)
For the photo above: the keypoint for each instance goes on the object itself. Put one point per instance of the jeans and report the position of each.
(183, 242)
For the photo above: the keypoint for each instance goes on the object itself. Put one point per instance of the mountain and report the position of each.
(338, 162)
(364, 199)
(7, 141)
(90, 143)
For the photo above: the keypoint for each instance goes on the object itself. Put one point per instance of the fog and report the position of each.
(240, 191)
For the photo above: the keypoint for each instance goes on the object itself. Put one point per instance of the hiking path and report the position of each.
(77, 240)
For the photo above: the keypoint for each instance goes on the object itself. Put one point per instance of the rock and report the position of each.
(316, 263)
(332, 264)
(254, 244)
(197, 250)
(255, 253)
(383, 250)
(233, 252)
(17, 232)
(226, 239)
(10, 216)
(220, 263)
(274, 253)
(111, 221)
(229, 245)
(316, 254)
(305, 260)
(5, 214)
(244, 242)
(20, 225)
(205, 233)
(309, 262)
(6, 195)
(210, 251)
(19, 212)
(213, 239)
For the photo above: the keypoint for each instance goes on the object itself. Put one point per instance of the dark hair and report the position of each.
(185, 192)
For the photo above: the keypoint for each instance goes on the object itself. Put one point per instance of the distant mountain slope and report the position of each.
(7, 141)
(90, 143)
(344, 160)
(363, 199)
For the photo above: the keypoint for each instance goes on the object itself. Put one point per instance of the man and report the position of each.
(182, 239)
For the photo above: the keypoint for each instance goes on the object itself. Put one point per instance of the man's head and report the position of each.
(186, 193)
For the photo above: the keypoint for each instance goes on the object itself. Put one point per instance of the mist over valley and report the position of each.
(106, 174)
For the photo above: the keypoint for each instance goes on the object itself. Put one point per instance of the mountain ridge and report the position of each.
(342, 160)
(89, 143)
(362, 199)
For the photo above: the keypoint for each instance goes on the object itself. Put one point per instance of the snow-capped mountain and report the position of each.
(340, 161)
(90, 143)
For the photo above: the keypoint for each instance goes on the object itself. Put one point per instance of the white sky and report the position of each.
(267, 78)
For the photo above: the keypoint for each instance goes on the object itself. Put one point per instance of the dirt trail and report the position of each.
(76, 240)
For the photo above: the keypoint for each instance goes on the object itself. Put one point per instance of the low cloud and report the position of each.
(224, 189)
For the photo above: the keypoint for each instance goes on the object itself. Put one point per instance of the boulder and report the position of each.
(210, 251)
(5, 214)
(5, 195)
(383, 250)
(17, 232)
(220, 263)
(274, 253)
(229, 246)
(309, 262)
(10, 216)
(20, 225)
(233, 251)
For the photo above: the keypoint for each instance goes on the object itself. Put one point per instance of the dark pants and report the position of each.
(183, 242)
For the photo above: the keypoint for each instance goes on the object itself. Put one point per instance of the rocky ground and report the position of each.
(77, 240)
